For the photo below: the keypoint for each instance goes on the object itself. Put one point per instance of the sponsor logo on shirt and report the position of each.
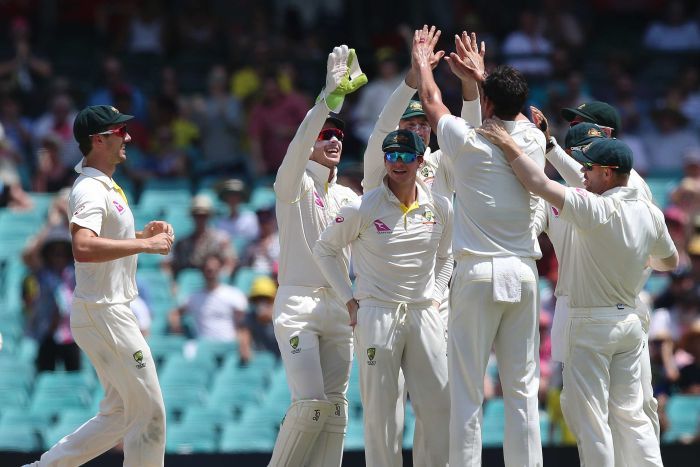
(80, 209)
(294, 342)
(381, 227)
(120, 208)
(555, 211)
(339, 219)
(371, 353)
(138, 357)
(427, 172)
(581, 192)
(318, 201)
(428, 217)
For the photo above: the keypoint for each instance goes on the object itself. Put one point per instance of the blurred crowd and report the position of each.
(218, 89)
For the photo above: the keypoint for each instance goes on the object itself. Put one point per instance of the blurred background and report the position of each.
(218, 88)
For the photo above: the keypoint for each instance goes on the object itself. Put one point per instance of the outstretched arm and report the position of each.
(528, 172)
(424, 41)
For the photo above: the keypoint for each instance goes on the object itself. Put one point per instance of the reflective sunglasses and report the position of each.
(588, 166)
(329, 133)
(121, 132)
(406, 157)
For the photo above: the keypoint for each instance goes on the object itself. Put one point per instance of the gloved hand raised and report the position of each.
(343, 76)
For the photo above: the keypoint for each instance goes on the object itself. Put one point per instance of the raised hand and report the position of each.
(423, 50)
(156, 227)
(467, 62)
(159, 244)
(343, 76)
(540, 121)
(433, 60)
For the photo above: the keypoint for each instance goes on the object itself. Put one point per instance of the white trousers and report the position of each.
(560, 348)
(602, 397)
(411, 338)
(313, 332)
(477, 324)
(132, 408)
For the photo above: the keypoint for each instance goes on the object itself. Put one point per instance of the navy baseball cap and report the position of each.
(583, 134)
(405, 141)
(95, 119)
(595, 112)
(606, 151)
(414, 109)
(337, 122)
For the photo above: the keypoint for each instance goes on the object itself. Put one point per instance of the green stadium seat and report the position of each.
(22, 372)
(206, 416)
(75, 416)
(683, 413)
(355, 438)
(186, 439)
(657, 283)
(20, 439)
(179, 370)
(164, 346)
(262, 197)
(51, 381)
(188, 282)
(243, 279)
(493, 424)
(54, 434)
(238, 437)
(178, 398)
(54, 401)
(11, 397)
(216, 351)
(19, 417)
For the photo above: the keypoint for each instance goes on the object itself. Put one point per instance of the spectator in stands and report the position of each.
(373, 96)
(689, 88)
(58, 120)
(146, 29)
(257, 332)
(263, 254)
(664, 372)
(559, 25)
(48, 300)
(238, 224)
(545, 354)
(680, 286)
(218, 309)
(689, 380)
(191, 251)
(220, 118)
(527, 49)
(11, 193)
(114, 81)
(165, 160)
(273, 121)
(24, 72)
(197, 28)
(669, 139)
(678, 32)
(18, 129)
(51, 174)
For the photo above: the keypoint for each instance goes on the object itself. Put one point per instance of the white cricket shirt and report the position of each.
(615, 234)
(96, 204)
(399, 253)
(306, 203)
(496, 214)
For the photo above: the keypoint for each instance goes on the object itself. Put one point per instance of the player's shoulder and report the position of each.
(344, 193)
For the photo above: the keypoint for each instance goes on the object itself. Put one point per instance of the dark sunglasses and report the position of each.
(121, 132)
(329, 133)
(406, 157)
(588, 166)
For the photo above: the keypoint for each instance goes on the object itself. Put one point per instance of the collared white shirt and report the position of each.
(496, 214)
(306, 204)
(95, 203)
(215, 312)
(399, 253)
(615, 234)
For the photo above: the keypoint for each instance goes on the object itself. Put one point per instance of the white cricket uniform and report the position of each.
(437, 175)
(105, 328)
(311, 323)
(602, 399)
(402, 261)
(561, 235)
(494, 294)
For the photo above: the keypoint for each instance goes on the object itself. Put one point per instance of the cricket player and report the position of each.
(617, 233)
(401, 236)
(494, 292)
(581, 133)
(105, 246)
(310, 320)
(434, 172)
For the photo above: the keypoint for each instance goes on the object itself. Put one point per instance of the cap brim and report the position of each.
(413, 114)
(123, 118)
(570, 114)
(579, 156)
(400, 148)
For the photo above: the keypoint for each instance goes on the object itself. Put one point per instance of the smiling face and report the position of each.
(327, 152)
(400, 172)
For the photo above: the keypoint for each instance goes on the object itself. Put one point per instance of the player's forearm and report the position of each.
(334, 271)
(470, 90)
(568, 168)
(100, 250)
(443, 272)
(289, 175)
(430, 96)
(533, 177)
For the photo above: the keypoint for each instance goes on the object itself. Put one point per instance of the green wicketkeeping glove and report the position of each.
(343, 76)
